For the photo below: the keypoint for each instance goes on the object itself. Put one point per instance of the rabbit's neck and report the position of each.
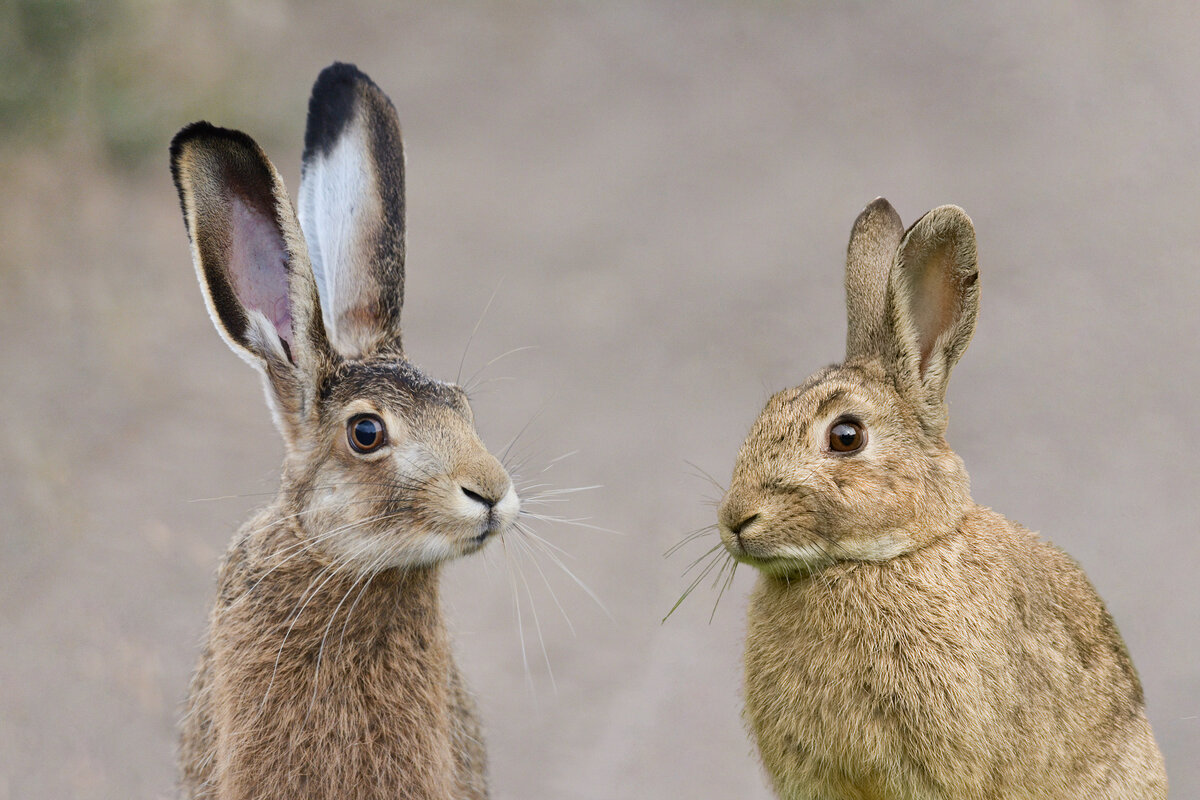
(326, 681)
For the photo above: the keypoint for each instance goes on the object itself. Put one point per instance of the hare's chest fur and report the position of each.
(327, 700)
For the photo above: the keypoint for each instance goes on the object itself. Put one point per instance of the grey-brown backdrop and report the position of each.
(659, 196)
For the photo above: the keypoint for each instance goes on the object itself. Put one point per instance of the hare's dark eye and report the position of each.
(847, 436)
(366, 433)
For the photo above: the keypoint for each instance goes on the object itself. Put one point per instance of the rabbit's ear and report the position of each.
(933, 300)
(352, 210)
(869, 256)
(250, 258)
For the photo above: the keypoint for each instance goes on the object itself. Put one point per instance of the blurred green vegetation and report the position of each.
(118, 77)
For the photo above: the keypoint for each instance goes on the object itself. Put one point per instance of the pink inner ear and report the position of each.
(258, 266)
(934, 300)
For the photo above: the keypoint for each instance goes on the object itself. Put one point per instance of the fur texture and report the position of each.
(327, 669)
(903, 642)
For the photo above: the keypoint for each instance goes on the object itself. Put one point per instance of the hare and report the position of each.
(327, 670)
(903, 642)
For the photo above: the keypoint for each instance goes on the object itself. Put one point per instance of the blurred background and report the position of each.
(657, 196)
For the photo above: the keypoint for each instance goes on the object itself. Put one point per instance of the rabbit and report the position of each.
(903, 642)
(327, 670)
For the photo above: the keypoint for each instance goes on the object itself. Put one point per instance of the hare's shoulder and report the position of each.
(265, 544)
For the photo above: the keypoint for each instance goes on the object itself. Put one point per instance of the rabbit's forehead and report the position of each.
(392, 384)
(831, 391)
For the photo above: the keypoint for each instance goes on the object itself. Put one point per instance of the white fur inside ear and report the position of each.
(337, 201)
(264, 339)
(263, 336)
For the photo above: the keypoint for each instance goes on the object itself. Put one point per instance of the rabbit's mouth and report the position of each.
(778, 559)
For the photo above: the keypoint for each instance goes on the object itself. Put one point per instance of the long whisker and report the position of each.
(708, 553)
(543, 542)
(294, 550)
(537, 622)
(508, 563)
(520, 433)
(514, 351)
(297, 611)
(587, 589)
(580, 522)
(373, 571)
(690, 537)
(695, 581)
(475, 330)
(537, 564)
(725, 585)
(321, 649)
(333, 570)
(704, 474)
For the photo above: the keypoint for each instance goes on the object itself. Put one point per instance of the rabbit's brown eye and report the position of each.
(847, 436)
(366, 433)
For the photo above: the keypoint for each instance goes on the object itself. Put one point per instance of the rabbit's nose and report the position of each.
(737, 528)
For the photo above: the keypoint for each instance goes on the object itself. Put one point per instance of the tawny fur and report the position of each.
(904, 643)
(327, 670)
(363, 702)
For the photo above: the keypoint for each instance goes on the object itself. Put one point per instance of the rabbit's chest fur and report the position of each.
(315, 684)
(983, 665)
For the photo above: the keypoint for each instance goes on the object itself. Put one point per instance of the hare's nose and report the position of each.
(484, 500)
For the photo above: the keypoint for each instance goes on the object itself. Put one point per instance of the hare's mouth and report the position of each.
(492, 528)
(480, 539)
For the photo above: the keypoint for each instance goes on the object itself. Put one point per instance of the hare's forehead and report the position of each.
(397, 386)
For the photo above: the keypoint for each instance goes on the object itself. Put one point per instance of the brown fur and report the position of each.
(327, 669)
(355, 707)
(904, 642)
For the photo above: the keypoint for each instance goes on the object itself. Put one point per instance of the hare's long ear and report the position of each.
(869, 256)
(250, 257)
(933, 300)
(352, 210)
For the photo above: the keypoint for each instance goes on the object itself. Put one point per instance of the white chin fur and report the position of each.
(791, 558)
(384, 552)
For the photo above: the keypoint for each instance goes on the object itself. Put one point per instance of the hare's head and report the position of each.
(853, 464)
(384, 467)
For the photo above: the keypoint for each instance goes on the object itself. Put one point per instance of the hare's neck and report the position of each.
(333, 675)
(335, 618)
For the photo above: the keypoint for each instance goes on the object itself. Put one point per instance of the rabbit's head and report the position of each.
(853, 464)
(383, 467)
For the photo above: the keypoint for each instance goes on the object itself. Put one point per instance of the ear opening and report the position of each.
(352, 210)
(933, 298)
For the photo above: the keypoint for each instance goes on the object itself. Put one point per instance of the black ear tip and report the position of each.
(331, 105)
(339, 72)
(188, 133)
(232, 142)
(207, 131)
